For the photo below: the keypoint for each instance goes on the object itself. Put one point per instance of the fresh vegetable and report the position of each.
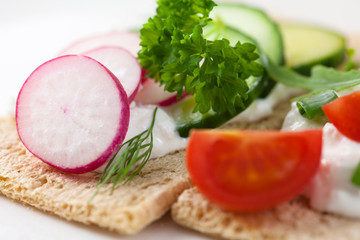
(322, 80)
(122, 64)
(350, 63)
(254, 23)
(179, 56)
(175, 53)
(72, 113)
(186, 119)
(128, 40)
(343, 113)
(183, 113)
(311, 107)
(214, 31)
(306, 46)
(153, 93)
(356, 176)
(252, 170)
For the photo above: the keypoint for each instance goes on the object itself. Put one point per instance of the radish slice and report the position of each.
(153, 93)
(128, 40)
(72, 113)
(122, 64)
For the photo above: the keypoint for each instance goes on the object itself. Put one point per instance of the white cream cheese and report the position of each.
(295, 122)
(166, 138)
(262, 108)
(332, 190)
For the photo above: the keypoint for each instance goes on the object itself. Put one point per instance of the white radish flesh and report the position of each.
(153, 93)
(128, 40)
(122, 64)
(72, 113)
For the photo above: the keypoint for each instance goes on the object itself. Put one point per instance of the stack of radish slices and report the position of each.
(73, 111)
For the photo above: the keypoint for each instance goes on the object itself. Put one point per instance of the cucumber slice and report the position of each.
(214, 31)
(254, 23)
(186, 120)
(306, 46)
(182, 113)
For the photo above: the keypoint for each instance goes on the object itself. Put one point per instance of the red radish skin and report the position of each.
(127, 40)
(153, 93)
(72, 113)
(122, 64)
(174, 99)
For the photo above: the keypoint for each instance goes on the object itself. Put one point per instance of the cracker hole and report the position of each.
(43, 180)
(3, 178)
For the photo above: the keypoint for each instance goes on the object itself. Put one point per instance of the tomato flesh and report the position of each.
(343, 112)
(252, 170)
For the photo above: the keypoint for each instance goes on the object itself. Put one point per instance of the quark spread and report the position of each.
(262, 108)
(295, 122)
(166, 139)
(332, 190)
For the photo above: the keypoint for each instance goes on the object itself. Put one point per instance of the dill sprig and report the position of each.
(124, 166)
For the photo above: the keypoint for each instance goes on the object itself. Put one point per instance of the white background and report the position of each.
(32, 32)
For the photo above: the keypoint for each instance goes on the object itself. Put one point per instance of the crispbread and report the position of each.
(294, 220)
(129, 209)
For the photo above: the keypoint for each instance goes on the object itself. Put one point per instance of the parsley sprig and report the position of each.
(129, 159)
(175, 53)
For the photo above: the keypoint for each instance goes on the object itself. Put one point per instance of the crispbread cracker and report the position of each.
(294, 220)
(129, 209)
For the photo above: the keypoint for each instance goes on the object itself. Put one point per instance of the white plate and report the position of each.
(32, 32)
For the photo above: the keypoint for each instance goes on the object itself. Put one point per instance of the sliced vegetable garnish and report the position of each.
(311, 107)
(153, 93)
(124, 39)
(253, 22)
(307, 46)
(72, 113)
(343, 112)
(122, 64)
(350, 64)
(252, 170)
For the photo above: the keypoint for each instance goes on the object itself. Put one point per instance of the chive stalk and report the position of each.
(311, 107)
(356, 176)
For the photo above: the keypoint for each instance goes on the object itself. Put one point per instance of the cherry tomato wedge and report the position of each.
(344, 113)
(252, 170)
